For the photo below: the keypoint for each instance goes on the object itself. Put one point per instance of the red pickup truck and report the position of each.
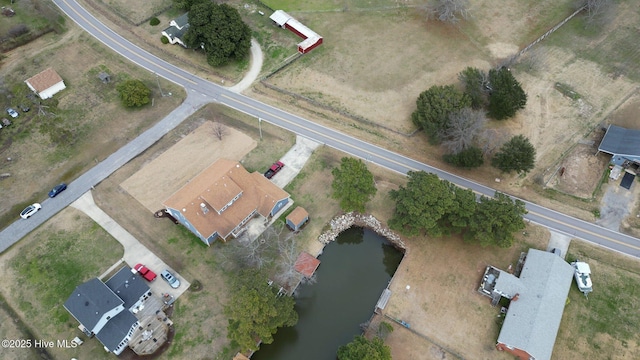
(145, 272)
(277, 166)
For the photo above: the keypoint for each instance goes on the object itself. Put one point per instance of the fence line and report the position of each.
(549, 32)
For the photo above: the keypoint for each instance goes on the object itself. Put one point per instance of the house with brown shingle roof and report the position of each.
(46, 84)
(219, 201)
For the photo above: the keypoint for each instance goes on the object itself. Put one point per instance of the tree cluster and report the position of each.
(133, 93)
(353, 184)
(456, 119)
(256, 310)
(438, 207)
(219, 30)
(362, 348)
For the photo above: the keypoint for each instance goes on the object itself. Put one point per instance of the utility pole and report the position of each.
(159, 88)
(260, 127)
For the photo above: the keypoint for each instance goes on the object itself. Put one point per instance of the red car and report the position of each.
(145, 272)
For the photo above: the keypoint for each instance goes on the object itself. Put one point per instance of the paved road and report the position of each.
(200, 91)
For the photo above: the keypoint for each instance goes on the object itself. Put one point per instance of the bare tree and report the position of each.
(219, 130)
(599, 12)
(448, 10)
(288, 254)
(464, 129)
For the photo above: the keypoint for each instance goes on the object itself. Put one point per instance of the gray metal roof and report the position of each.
(621, 141)
(531, 323)
(128, 286)
(90, 301)
(116, 330)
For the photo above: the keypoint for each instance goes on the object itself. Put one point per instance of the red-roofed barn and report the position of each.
(285, 21)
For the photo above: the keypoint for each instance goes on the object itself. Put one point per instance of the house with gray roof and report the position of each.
(622, 144)
(532, 320)
(106, 309)
(176, 30)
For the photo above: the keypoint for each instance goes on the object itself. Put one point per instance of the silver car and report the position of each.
(12, 113)
(172, 280)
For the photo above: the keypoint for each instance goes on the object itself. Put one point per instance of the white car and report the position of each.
(583, 276)
(12, 113)
(30, 210)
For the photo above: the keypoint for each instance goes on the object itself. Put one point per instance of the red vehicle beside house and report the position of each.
(277, 166)
(145, 272)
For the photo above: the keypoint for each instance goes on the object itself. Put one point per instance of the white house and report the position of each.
(176, 30)
(46, 84)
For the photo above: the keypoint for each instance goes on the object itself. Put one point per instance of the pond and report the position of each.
(353, 272)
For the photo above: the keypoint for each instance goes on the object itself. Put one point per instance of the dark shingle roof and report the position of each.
(128, 286)
(621, 141)
(90, 301)
(116, 330)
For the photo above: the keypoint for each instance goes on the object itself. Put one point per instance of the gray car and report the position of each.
(172, 280)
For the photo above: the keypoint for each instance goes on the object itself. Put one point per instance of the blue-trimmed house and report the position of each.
(219, 201)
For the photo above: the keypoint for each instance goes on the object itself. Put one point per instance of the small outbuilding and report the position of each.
(297, 218)
(104, 77)
(46, 84)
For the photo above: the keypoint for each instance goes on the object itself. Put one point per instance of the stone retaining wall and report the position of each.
(348, 220)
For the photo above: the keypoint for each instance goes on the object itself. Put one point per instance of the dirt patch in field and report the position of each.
(167, 173)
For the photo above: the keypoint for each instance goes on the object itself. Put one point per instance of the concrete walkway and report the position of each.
(134, 251)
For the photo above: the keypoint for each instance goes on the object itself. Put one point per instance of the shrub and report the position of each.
(164, 39)
(154, 21)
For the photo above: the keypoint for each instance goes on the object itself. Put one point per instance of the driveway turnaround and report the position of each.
(134, 251)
